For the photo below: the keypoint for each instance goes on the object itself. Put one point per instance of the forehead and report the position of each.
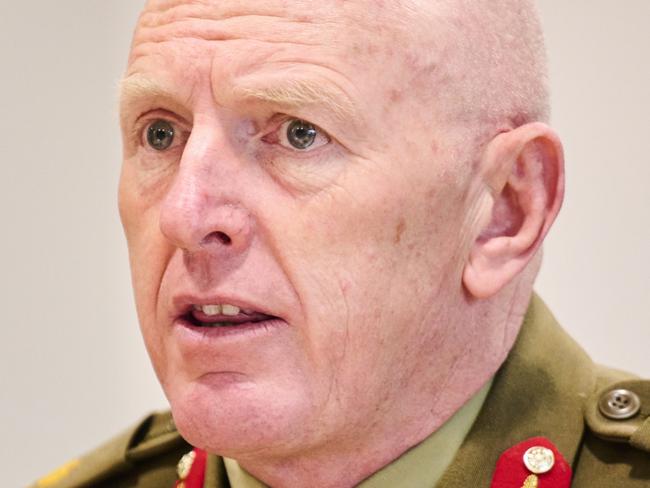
(359, 67)
(342, 25)
(355, 14)
(235, 36)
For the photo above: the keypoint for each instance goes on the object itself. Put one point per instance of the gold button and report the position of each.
(619, 404)
(539, 460)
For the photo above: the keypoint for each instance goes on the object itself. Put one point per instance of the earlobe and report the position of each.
(522, 174)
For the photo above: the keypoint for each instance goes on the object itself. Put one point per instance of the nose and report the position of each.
(201, 210)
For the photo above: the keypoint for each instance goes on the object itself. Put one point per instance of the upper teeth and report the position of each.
(223, 309)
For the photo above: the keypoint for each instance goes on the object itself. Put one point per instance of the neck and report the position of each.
(488, 333)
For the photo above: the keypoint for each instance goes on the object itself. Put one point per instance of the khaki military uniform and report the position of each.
(548, 387)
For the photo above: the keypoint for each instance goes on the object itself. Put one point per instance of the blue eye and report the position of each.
(160, 135)
(302, 135)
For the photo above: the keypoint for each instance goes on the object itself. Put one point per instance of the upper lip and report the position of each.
(183, 304)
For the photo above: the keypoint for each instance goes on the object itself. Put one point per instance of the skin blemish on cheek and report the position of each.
(399, 231)
(395, 95)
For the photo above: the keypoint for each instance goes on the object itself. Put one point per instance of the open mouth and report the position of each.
(223, 315)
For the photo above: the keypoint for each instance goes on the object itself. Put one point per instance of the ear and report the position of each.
(522, 173)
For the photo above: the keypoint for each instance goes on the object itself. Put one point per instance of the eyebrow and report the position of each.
(137, 87)
(291, 93)
(296, 93)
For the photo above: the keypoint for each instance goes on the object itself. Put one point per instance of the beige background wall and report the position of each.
(72, 367)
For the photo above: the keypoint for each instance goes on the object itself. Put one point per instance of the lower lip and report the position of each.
(246, 330)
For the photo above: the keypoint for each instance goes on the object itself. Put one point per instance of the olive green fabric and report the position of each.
(547, 387)
(143, 456)
(543, 389)
(422, 465)
(615, 451)
(539, 391)
(633, 430)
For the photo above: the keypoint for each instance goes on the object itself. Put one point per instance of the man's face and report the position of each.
(282, 157)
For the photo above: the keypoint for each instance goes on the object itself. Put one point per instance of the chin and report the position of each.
(231, 419)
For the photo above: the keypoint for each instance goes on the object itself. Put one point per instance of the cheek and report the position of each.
(148, 251)
(140, 215)
(370, 254)
(147, 257)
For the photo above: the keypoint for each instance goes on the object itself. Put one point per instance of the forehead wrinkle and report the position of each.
(157, 11)
(298, 22)
(234, 28)
(269, 30)
(219, 20)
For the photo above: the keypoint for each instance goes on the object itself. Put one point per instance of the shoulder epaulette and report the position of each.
(619, 411)
(152, 436)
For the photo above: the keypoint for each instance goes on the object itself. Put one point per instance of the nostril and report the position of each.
(222, 237)
(217, 237)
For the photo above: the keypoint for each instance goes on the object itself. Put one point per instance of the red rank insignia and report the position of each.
(534, 463)
(191, 469)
